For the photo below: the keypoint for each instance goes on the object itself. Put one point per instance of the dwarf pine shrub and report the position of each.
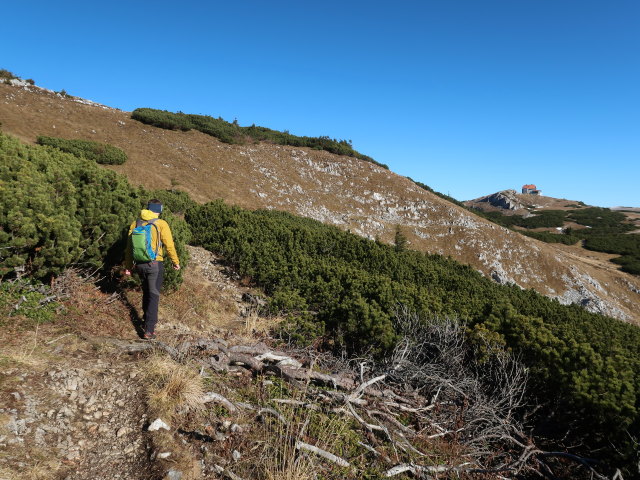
(102, 153)
(58, 210)
(232, 132)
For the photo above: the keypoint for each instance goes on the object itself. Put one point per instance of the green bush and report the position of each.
(58, 210)
(600, 220)
(604, 231)
(543, 219)
(6, 74)
(162, 119)
(26, 299)
(233, 133)
(102, 153)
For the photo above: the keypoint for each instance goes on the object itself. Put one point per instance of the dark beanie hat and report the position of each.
(155, 207)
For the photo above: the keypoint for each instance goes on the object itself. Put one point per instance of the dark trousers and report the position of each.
(152, 275)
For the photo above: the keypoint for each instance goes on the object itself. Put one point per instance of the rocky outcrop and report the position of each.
(506, 199)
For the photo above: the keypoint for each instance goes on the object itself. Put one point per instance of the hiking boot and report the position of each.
(149, 336)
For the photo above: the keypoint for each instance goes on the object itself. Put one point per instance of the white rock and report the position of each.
(157, 425)
(164, 455)
(174, 475)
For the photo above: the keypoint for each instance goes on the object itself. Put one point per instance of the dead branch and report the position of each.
(585, 462)
(274, 413)
(217, 398)
(258, 349)
(297, 403)
(394, 421)
(246, 360)
(227, 473)
(280, 360)
(369, 448)
(366, 384)
(322, 453)
(418, 469)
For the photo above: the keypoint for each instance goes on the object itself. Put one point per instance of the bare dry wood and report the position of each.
(217, 398)
(297, 403)
(246, 360)
(418, 469)
(394, 421)
(366, 384)
(227, 473)
(322, 453)
(274, 413)
(280, 360)
(257, 349)
(369, 448)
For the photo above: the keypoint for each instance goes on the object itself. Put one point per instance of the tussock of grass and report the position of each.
(173, 392)
(172, 388)
(279, 459)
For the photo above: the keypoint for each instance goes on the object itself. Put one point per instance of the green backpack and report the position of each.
(141, 241)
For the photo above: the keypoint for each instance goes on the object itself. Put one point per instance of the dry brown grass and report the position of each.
(173, 393)
(42, 470)
(171, 388)
(93, 312)
(260, 326)
(197, 305)
(32, 350)
(279, 458)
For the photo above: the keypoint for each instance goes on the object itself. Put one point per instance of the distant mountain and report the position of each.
(354, 194)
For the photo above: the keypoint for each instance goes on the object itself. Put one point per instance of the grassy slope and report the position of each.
(356, 195)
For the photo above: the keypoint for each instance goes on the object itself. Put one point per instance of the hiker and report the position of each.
(148, 237)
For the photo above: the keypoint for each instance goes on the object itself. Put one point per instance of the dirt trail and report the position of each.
(79, 417)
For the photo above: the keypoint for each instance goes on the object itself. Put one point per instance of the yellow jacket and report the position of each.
(165, 235)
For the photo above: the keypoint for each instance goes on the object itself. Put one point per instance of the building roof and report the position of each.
(530, 187)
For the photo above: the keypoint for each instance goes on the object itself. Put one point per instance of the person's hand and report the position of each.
(176, 267)
(127, 272)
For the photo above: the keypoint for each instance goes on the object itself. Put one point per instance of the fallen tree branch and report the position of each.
(394, 421)
(297, 403)
(322, 453)
(227, 473)
(246, 360)
(273, 413)
(366, 384)
(219, 399)
(418, 469)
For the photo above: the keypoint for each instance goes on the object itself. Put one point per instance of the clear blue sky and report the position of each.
(467, 96)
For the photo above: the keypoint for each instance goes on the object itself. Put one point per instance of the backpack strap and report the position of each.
(159, 240)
